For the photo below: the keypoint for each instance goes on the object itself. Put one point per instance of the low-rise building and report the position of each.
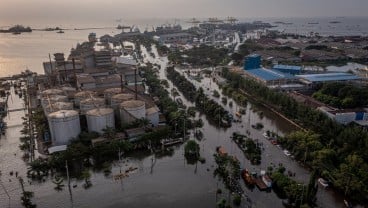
(179, 38)
(85, 82)
(345, 116)
(288, 69)
(312, 79)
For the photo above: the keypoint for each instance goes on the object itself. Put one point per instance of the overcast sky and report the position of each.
(19, 10)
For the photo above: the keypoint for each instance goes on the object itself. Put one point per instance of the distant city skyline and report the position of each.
(13, 11)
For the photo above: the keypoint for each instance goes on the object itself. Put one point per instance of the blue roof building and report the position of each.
(327, 77)
(252, 61)
(288, 69)
(269, 76)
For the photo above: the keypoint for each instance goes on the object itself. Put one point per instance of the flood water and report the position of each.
(271, 154)
(158, 182)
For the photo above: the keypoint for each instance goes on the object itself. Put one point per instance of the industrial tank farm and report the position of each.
(91, 103)
(108, 93)
(116, 100)
(132, 110)
(69, 91)
(53, 107)
(99, 119)
(50, 92)
(64, 126)
(53, 99)
(82, 96)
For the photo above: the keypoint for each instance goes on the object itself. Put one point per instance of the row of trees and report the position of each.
(186, 87)
(342, 95)
(168, 106)
(297, 195)
(250, 148)
(211, 108)
(337, 152)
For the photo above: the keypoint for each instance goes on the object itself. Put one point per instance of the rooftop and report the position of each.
(152, 110)
(108, 79)
(268, 74)
(328, 77)
(132, 104)
(174, 35)
(124, 60)
(84, 94)
(57, 149)
(63, 114)
(85, 78)
(254, 56)
(100, 111)
(288, 67)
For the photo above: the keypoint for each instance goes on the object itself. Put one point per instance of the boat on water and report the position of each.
(323, 182)
(274, 142)
(238, 114)
(334, 22)
(16, 33)
(60, 31)
(265, 135)
(287, 153)
(260, 184)
(221, 151)
(179, 101)
(248, 178)
(267, 181)
(313, 23)
(348, 204)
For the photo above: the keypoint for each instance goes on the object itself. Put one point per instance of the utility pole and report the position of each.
(67, 172)
(121, 82)
(306, 153)
(68, 178)
(135, 82)
(119, 160)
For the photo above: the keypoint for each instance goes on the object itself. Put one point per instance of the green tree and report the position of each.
(191, 150)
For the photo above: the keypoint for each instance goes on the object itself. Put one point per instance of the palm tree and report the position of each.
(143, 122)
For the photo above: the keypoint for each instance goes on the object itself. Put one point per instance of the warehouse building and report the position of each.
(314, 79)
(269, 77)
(288, 69)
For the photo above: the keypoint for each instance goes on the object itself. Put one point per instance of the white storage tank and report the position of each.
(64, 126)
(108, 93)
(91, 103)
(116, 100)
(82, 95)
(69, 91)
(53, 99)
(58, 106)
(131, 110)
(99, 119)
(152, 114)
(50, 92)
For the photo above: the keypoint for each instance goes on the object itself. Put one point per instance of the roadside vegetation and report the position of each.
(211, 108)
(341, 95)
(336, 152)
